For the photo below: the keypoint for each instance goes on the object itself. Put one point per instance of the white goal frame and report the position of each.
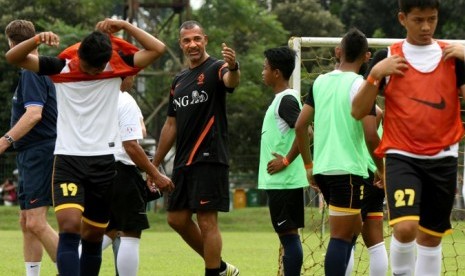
(297, 43)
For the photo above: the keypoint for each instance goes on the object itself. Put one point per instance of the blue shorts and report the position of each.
(35, 165)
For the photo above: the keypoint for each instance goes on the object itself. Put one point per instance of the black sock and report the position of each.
(212, 271)
(67, 254)
(222, 265)
(293, 255)
(91, 258)
(336, 257)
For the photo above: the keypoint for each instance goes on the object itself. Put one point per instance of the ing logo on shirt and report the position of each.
(196, 97)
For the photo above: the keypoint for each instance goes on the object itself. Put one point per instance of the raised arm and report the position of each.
(232, 78)
(22, 54)
(365, 98)
(152, 47)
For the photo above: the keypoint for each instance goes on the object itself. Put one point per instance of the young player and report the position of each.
(280, 172)
(422, 78)
(340, 165)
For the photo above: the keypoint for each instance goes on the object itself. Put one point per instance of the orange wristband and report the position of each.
(309, 166)
(37, 39)
(372, 80)
(285, 161)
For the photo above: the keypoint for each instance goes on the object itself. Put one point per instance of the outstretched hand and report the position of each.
(229, 55)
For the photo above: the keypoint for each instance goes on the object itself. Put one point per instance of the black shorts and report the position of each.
(421, 189)
(373, 199)
(286, 209)
(342, 193)
(201, 186)
(35, 166)
(128, 206)
(84, 182)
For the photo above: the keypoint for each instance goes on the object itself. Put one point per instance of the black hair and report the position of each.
(281, 58)
(407, 6)
(95, 49)
(354, 45)
(190, 24)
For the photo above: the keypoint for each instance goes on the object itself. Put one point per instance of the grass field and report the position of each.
(248, 242)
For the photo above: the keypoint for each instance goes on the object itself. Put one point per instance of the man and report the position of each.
(197, 122)
(87, 78)
(129, 193)
(33, 135)
(340, 165)
(422, 127)
(281, 172)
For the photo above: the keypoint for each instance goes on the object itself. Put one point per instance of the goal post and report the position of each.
(315, 56)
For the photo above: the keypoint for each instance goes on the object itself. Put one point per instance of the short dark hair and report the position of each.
(354, 45)
(281, 58)
(95, 49)
(20, 30)
(190, 24)
(407, 6)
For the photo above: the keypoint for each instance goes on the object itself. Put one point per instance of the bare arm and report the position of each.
(277, 164)
(153, 48)
(25, 55)
(138, 156)
(303, 141)
(30, 118)
(166, 141)
(232, 78)
(372, 140)
(366, 96)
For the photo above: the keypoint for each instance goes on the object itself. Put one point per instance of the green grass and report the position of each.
(248, 242)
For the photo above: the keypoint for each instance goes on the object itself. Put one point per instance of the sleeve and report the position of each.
(33, 89)
(50, 65)
(460, 72)
(309, 100)
(129, 119)
(128, 59)
(289, 110)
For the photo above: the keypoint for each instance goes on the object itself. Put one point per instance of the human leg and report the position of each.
(211, 238)
(287, 216)
(128, 253)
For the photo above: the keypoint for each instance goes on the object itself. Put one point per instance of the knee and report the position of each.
(405, 231)
(174, 222)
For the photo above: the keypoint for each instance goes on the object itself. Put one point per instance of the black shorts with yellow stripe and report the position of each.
(342, 192)
(421, 189)
(83, 182)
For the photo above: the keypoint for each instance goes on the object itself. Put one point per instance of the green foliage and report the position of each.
(308, 18)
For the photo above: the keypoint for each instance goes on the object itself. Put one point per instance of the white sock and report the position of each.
(402, 257)
(378, 259)
(128, 256)
(32, 268)
(106, 242)
(428, 260)
(350, 264)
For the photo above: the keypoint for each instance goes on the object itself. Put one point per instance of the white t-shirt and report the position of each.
(87, 123)
(129, 117)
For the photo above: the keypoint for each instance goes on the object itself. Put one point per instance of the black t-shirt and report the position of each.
(198, 102)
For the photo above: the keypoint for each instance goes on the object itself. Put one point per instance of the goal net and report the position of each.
(315, 56)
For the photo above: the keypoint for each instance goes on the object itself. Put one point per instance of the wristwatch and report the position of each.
(9, 139)
(236, 67)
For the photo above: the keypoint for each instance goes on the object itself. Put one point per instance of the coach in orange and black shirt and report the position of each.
(197, 122)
